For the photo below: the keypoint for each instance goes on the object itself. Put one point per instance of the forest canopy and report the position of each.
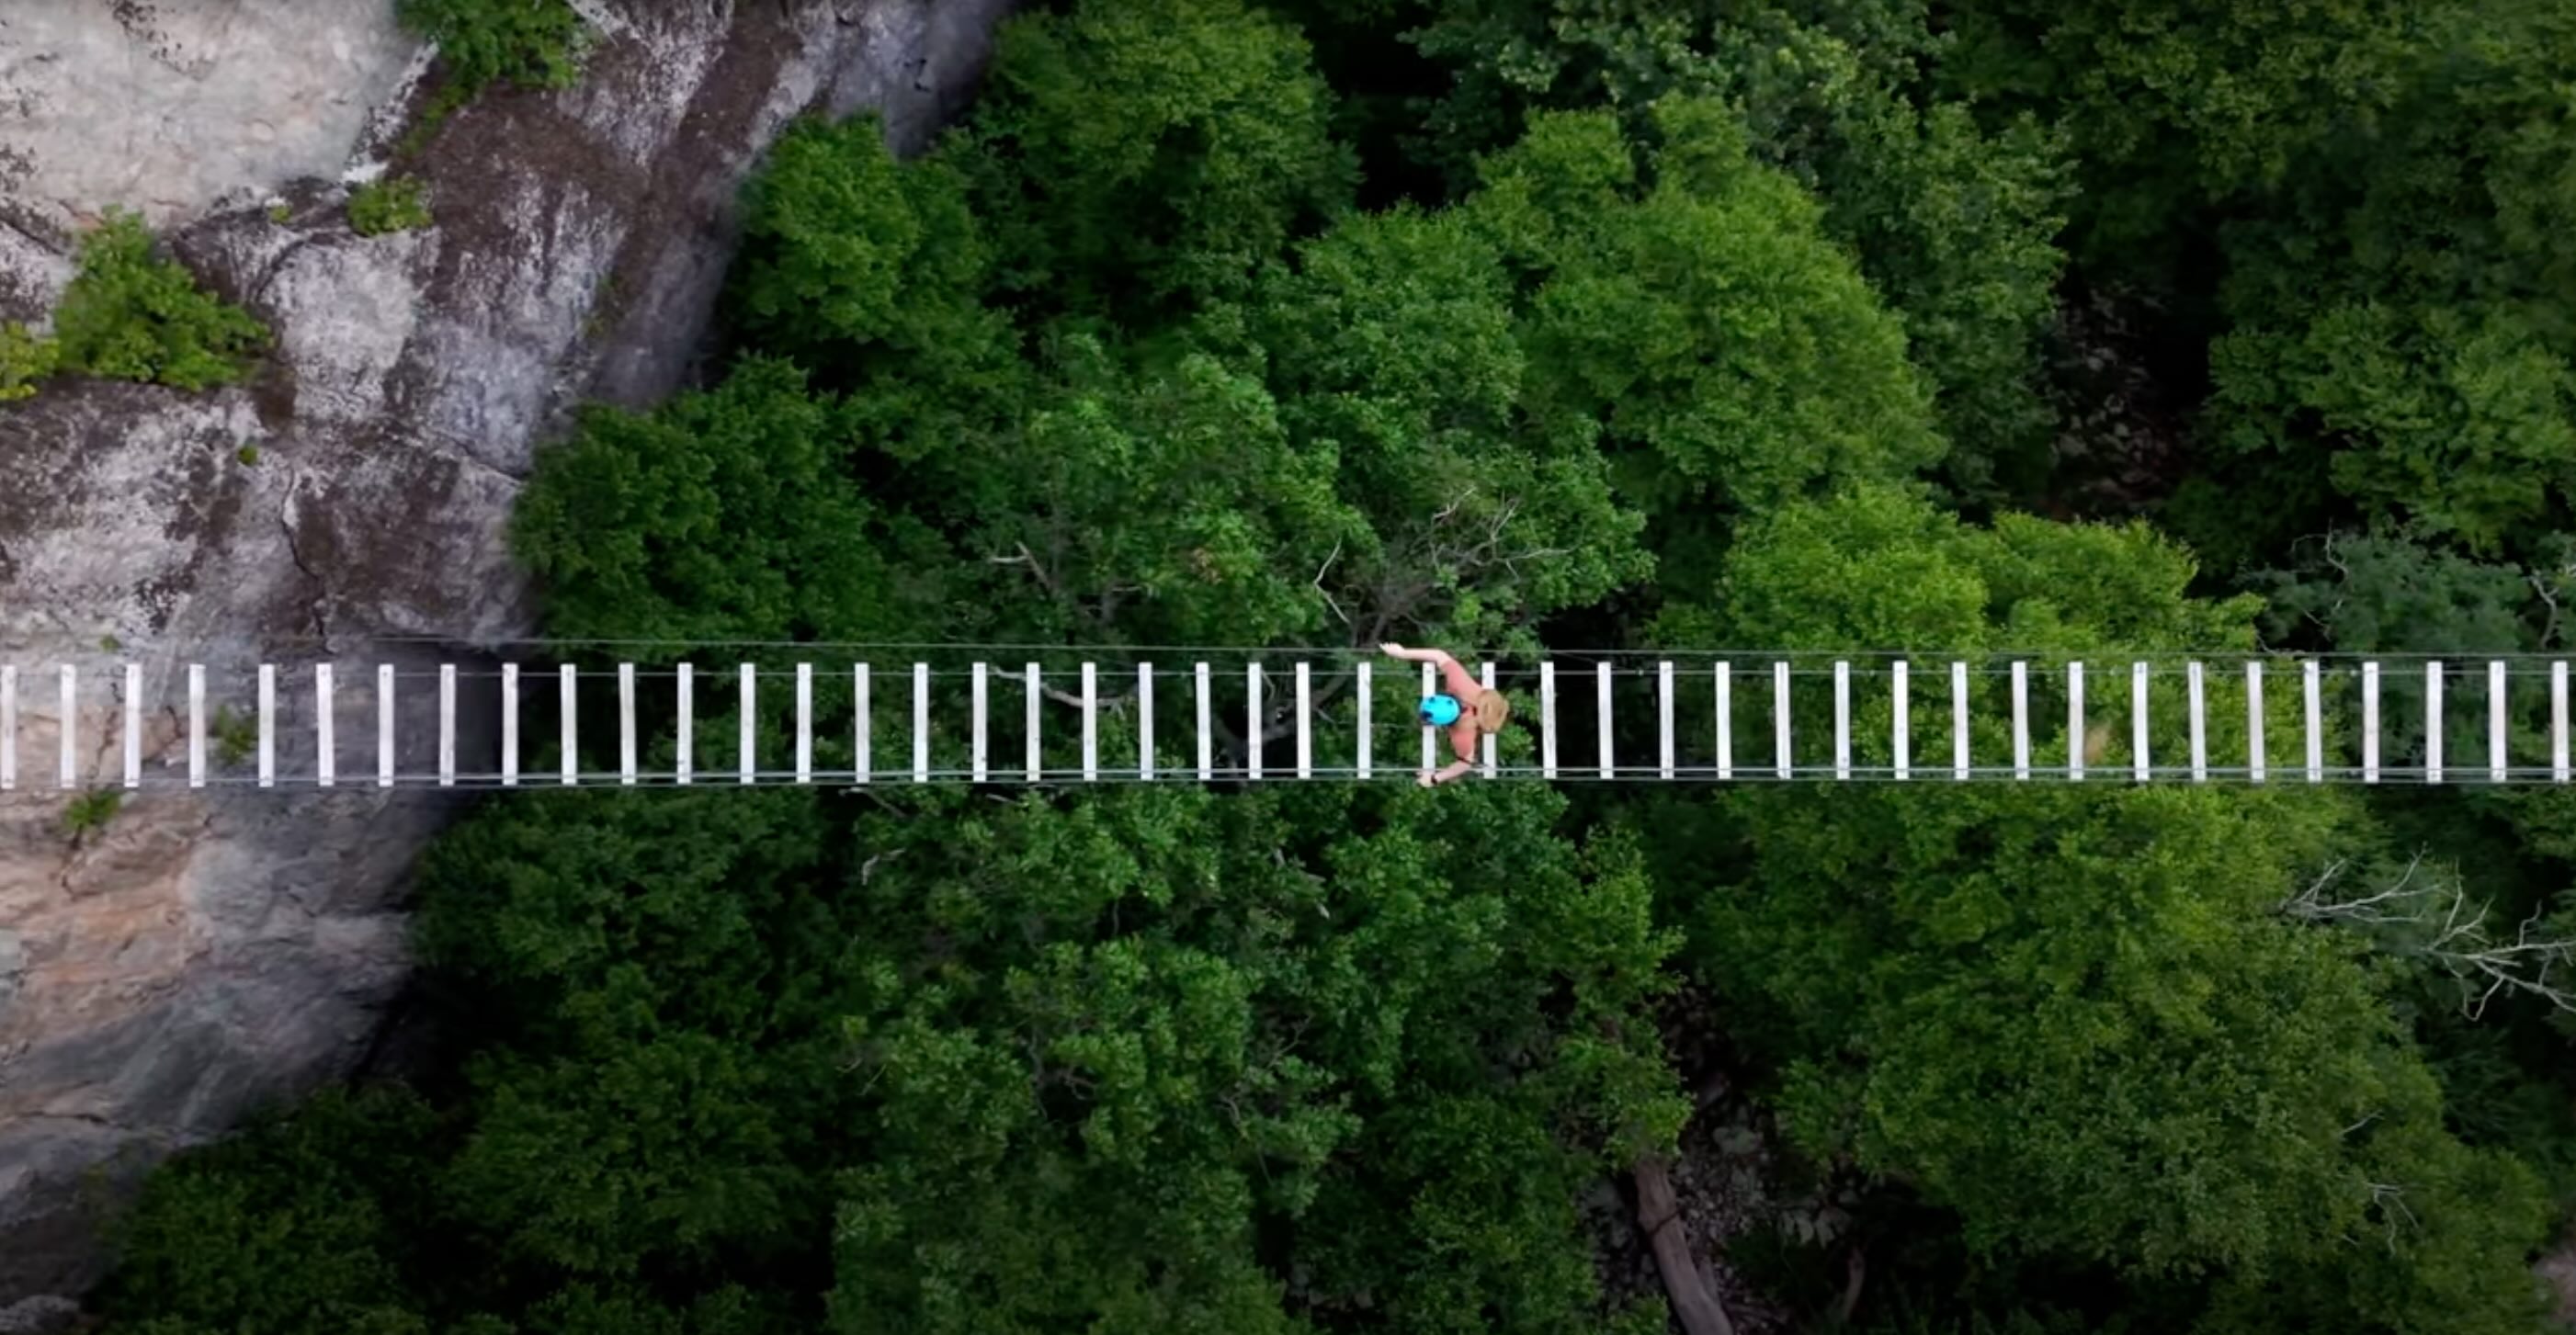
(2111, 328)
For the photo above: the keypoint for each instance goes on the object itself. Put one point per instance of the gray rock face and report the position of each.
(204, 955)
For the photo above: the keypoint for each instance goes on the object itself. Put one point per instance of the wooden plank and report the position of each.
(67, 736)
(684, 765)
(2075, 729)
(133, 739)
(1959, 759)
(1368, 692)
(384, 725)
(447, 725)
(1842, 721)
(1252, 722)
(509, 724)
(863, 723)
(1900, 746)
(1601, 694)
(1725, 721)
(2311, 684)
(1091, 723)
(1430, 735)
(2558, 767)
(627, 774)
(746, 740)
(8, 727)
(1546, 721)
(921, 723)
(2138, 722)
(2433, 722)
(1664, 720)
(2370, 722)
(568, 691)
(1490, 740)
(976, 742)
(2254, 722)
(2199, 688)
(2021, 720)
(2497, 763)
(196, 725)
(1036, 704)
(1145, 722)
(268, 725)
(323, 747)
(1782, 757)
(1305, 709)
(1207, 735)
(805, 722)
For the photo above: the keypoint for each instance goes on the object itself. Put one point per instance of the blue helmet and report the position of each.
(1440, 710)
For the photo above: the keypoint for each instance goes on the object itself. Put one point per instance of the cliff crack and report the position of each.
(320, 607)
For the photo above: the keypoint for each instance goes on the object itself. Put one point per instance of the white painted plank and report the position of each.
(509, 725)
(384, 725)
(1842, 721)
(1091, 723)
(921, 723)
(196, 725)
(323, 747)
(8, 727)
(1430, 735)
(447, 725)
(1546, 722)
(2021, 720)
(1664, 719)
(2433, 722)
(2254, 722)
(133, 739)
(2075, 728)
(569, 689)
(2138, 722)
(2312, 686)
(2199, 688)
(2370, 722)
(805, 722)
(1725, 721)
(627, 774)
(1959, 759)
(1491, 741)
(863, 724)
(1367, 692)
(1036, 705)
(268, 725)
(1900, 746)
(1145, 721)
(976, 742)
(1305, 737)
(1601, 695)
(2497, 764)
(684, 764)
(746, 741)
(1783, 758)
(67, 736)
(2558, 768)
(1252, 721)
(1207, 733)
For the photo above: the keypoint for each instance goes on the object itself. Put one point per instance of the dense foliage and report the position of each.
(130, 314)
(1506, 323)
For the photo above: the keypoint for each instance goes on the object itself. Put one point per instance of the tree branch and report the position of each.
(1660, 1216)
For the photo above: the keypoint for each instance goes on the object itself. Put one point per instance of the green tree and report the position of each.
(131, 315)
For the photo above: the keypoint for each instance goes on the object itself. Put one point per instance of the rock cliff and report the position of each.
(200, 956)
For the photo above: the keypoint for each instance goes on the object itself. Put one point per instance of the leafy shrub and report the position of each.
(129, 315)
(395, 204)
(25, 358)
(531, 43)
(91, 811)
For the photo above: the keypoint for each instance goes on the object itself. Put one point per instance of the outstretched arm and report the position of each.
(1394, 650)
(1433, 779)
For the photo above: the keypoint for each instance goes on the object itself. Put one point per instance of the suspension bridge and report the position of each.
(960, 715)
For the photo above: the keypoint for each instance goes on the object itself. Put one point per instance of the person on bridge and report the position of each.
(1466, 709)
